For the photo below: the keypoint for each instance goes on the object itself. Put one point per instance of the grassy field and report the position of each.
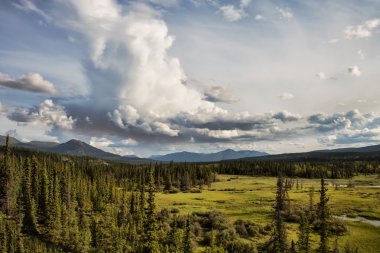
(243, 197)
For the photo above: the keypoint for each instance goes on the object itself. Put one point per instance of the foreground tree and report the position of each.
(323, 216)
(304, 235)
(150, 238)
(278, 243)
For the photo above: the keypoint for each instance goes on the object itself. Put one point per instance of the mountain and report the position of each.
(227, 154)
(72, 147)
(360, 153)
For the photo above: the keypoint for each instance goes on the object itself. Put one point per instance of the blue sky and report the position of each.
(158, 76)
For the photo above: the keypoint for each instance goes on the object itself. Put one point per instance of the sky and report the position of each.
(153, 77)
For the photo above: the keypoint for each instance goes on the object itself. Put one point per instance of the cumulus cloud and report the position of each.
(46, 113)
(33, 82)
(285, 13)
(232, 13)
(218, 93)
(117, 147)
(346, 128)
(364, 30)
(286, 96)
(354, 71)
(286, 116)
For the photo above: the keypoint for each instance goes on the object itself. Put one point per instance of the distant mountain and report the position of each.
(72, 147)
(227, 154)
(360, 153)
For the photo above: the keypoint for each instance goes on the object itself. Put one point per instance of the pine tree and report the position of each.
(279, 240)
(43, 203)
(6, 180)
(323, 216)
(29, 224)
(150, 238)
(304, 235)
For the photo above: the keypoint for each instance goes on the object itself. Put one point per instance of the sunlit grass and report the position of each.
(252, 198)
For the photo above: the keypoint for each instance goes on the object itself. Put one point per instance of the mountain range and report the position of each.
(227, 154)
(79, 148)
(72, 147)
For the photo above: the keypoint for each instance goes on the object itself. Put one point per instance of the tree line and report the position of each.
(58, 203)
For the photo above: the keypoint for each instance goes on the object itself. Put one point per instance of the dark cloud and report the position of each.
(336, 121)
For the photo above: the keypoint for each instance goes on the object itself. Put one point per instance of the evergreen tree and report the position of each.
(29, 224)
(6, 179)
(150, 238)
(323, 216)
(304, 235)
(279, 237)
(43, 203)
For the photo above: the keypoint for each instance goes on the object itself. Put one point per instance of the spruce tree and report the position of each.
(150, 238)
(304, 235)
(29, 224)
(279, 239)
(6, 179)
(323, 216)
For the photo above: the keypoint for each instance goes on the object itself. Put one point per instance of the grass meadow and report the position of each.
(252, 198)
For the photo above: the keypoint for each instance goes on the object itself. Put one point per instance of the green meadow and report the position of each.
(252, 198)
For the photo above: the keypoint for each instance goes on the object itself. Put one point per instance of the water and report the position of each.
(375, 223)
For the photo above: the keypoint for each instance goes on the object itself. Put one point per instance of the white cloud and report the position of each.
(29, 6)
(259, 17)
(285, 13)
(286, 96)
(244, 3)
(101, 143)
(321, 75)
(46, 113)
(33, 82)
(354, 71)
(129, 142)
(219, 134)
(361, 31)
(118, 147)
(164, 128)
(88, 120)
(231, 13)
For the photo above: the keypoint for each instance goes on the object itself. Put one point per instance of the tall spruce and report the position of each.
(279, 237)
(29, 224)
(150, 237)
(304, 235)
(6, 179)
(323, 217)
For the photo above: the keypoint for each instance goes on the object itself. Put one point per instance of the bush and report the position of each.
(195, 190)
(241, 247)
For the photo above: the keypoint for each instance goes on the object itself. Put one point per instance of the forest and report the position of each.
(60, 203)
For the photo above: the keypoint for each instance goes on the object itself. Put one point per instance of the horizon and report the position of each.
(155, 77)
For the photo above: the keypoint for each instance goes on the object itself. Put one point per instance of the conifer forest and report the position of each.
(60, 203)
